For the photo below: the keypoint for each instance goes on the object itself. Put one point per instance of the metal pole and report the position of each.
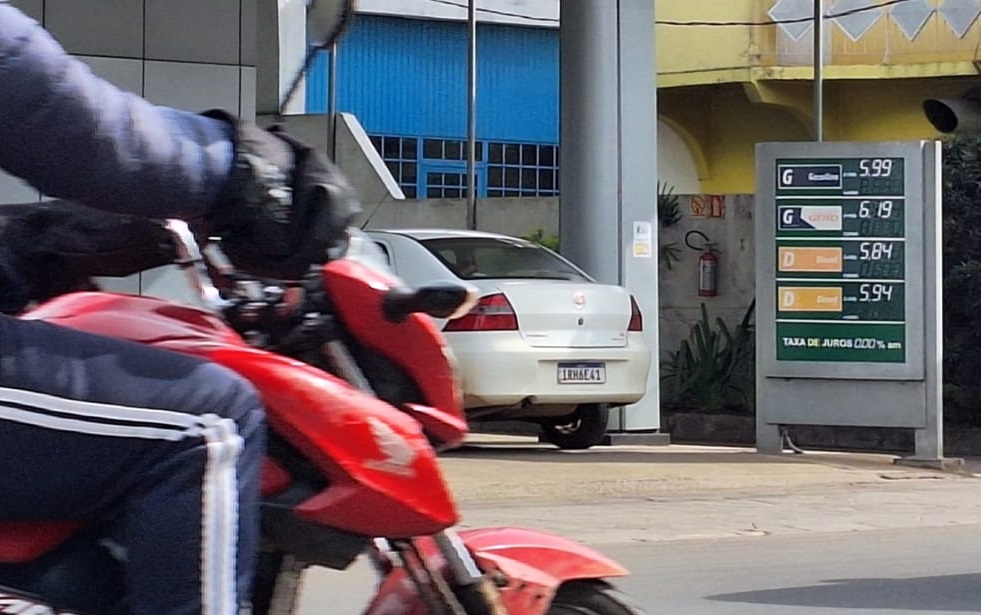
(332, 99)
(472, 116)
(818, 70)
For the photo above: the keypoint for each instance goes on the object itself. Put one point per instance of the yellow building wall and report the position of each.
(725, 89)
(690, 52)
(695, 49)
(721, 124)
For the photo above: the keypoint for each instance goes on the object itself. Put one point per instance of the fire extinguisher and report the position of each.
(708, 265)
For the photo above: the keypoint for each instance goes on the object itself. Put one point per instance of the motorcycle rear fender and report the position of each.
(534, 565)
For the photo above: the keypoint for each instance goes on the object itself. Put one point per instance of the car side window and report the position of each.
(449, 256)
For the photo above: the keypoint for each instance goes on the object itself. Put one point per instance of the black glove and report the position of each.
(285, 205)
(54, 247)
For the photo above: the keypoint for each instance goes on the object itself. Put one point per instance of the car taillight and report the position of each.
(636, 318)
(493, 313)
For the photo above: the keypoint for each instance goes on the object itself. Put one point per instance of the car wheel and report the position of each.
(580, 430)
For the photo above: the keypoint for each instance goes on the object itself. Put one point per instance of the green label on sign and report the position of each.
(866, 342)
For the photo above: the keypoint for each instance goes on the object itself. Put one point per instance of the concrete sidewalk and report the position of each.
(635, 493)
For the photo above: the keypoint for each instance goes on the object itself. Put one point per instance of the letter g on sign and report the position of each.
(787, 177)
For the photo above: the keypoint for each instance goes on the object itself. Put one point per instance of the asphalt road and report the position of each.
(885, 572)
(713, 531)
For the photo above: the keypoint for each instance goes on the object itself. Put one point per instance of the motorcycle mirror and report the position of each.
(327, 21)
(438, 299)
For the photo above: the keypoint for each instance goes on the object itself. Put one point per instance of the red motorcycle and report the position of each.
(361, 392)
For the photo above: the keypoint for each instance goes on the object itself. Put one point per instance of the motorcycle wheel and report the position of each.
(592, 598)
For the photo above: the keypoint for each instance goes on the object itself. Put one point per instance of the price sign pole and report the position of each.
(848, 289)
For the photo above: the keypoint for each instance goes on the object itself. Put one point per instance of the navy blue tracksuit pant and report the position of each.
(166, 445)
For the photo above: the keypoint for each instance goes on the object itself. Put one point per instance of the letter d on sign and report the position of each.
(789, 298)
(789, 258)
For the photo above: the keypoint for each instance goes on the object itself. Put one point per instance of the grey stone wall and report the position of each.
(189, 54)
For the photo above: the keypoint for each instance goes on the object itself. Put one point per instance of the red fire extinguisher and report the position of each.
(708, 272)
(708, 265)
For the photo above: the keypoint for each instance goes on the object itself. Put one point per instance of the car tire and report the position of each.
(580, 430)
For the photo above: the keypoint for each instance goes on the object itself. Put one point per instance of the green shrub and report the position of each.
(714, 369)
(668, 206)
(538, 236)
(962, 279)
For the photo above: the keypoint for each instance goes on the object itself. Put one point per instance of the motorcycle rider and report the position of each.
(163, 449)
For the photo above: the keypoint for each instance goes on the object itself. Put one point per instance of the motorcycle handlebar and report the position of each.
(190, 258)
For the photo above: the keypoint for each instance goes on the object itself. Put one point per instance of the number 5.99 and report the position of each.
(875, 167)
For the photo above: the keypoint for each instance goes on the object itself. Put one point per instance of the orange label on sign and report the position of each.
(810, 259)
(809, 299)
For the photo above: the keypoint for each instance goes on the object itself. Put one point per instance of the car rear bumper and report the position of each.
(500, 369)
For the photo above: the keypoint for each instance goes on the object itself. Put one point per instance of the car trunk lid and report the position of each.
(553, 314)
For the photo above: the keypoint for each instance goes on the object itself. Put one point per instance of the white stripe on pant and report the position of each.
(219, 524)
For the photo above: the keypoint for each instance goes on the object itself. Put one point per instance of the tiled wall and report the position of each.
(190, 54)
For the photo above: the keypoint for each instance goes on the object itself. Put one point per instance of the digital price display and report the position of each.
(873, 218)
(848, 301)
(862, 259)
(841, 259)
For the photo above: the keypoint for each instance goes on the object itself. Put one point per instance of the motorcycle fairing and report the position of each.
(385, 479)
(416, 344)
(384, 476)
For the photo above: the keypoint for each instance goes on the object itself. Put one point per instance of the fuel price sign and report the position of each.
(841, 259)
(849, 288)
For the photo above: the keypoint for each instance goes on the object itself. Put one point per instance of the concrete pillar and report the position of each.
(607, 219)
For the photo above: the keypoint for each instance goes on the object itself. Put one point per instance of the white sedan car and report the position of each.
(546, 343)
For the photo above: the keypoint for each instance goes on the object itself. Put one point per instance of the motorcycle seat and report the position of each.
(25, 541)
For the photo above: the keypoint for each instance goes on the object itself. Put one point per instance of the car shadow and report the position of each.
(958, 592)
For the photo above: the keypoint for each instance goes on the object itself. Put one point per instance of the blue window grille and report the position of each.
(401, 156)
(436, 168)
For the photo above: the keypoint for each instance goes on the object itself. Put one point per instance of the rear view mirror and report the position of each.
(327, 20)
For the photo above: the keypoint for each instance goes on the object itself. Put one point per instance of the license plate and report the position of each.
(582, 373)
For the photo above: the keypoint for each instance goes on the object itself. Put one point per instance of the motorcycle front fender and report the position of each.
(528, 565)
(513, 550)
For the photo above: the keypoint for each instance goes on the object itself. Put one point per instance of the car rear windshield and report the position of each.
(488, 257)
